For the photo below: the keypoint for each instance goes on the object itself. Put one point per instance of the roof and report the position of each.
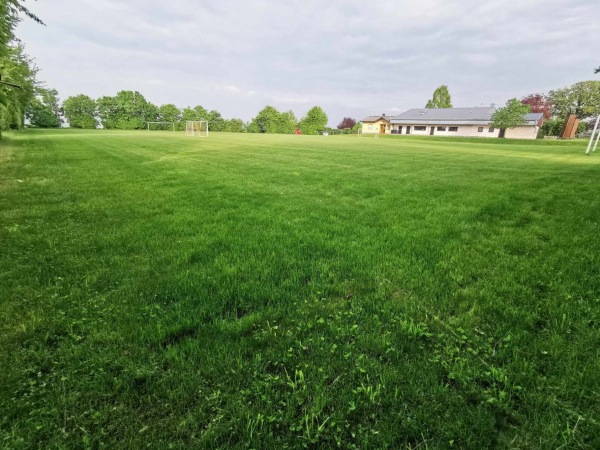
(454, 116)
(372, 119)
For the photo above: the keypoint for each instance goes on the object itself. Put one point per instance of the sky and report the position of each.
(352, 58)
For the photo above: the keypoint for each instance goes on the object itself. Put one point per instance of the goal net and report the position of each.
(169, 126)
(196, 128)
(371, 135)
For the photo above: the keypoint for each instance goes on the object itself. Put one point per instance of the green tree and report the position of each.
(581, 99)
(268, 120)
(51, 100)
(20, 70)
(441, 98)
(287, 122)
(80, 110)
(235, 126)
(15, 67)
(510, 116)
(41, 115)
(215, 121)
(314, 121)
(128, 110)
(169, 113)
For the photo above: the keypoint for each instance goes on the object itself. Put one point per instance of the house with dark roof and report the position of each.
(376, 124)
(470, 122)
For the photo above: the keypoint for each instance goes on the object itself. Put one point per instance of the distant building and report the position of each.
(465, 122)
(376, 124)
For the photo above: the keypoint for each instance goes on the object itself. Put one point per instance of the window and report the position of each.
(480, 130)
(420, 128)
(491, 130)
(370, 127)
(452, 128)
(441, 128)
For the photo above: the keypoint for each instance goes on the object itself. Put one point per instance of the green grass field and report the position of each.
(261, 291)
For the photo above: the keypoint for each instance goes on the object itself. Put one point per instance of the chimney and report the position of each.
(493, 105)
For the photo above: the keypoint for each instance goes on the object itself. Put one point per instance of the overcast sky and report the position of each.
(353, 58)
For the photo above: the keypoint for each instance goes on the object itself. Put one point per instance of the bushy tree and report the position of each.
(510, 116)
(581, 99)
(314, 121)
(234, 126)
(287, 122)
(347, 122)
(41, 115)
(441, 98)
(539, 104)
(15, 67)
(215, 121)
(169, 113)
(80, 110)
(128, 110)
(269, 120)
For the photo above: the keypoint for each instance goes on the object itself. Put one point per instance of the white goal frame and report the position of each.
(148, 124)
(194, 128)
(374, 135)
(594, 136)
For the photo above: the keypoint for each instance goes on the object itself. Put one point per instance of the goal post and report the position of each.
(196, 128)
(160, 125)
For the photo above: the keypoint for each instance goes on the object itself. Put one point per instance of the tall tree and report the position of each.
(347, 122)
(510, 116)
(20, 70)
(15, 66)
(441, 98)
(235, 126)
(169, 113)
(539, 103)
(581, 99)
(128, 110)
(80, 110)
(269, 120)
(41, 115)
(314, 121)
(215, 121)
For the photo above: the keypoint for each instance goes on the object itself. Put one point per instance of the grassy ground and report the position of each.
(254, 291)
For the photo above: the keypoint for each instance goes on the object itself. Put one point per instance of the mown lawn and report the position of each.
(255, 291)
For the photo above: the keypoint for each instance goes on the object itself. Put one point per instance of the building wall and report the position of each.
(523, 132)
(375, 127)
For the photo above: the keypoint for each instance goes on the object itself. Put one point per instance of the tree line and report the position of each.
(129, 110)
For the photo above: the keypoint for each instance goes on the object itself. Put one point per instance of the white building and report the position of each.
(469, 122)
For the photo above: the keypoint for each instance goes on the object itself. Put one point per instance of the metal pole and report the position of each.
(587, 152)
(597, 139)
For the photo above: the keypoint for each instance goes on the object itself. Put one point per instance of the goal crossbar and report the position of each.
(164, 123)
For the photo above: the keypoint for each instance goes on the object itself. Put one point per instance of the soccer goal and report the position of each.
(160, 126)
(196, 128)
(595, 136)
(372, 135)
